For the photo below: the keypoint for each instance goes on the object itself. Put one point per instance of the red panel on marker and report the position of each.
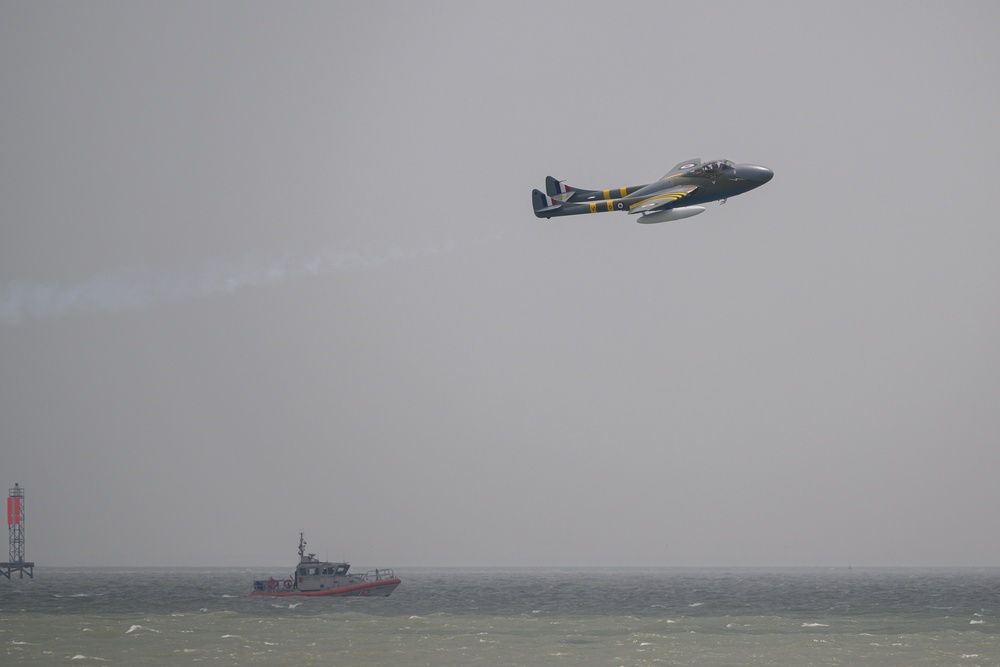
(13, 511)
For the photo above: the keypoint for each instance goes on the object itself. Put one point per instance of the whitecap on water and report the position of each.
(815, 625)
(140, 627)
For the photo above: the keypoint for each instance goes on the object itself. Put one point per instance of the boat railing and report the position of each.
(379, 574)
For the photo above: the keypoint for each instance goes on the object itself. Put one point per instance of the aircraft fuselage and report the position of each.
(689, 184)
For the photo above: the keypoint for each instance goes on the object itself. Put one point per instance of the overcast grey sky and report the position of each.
(271, 267)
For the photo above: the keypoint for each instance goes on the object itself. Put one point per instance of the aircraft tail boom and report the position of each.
(547, 206)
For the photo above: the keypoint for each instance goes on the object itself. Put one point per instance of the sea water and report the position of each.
(712, 617)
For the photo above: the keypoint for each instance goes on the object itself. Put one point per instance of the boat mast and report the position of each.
(302, 547)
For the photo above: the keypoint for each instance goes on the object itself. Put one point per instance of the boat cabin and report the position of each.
(323, 568)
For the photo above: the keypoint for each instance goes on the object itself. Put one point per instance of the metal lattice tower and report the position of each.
(15, 524)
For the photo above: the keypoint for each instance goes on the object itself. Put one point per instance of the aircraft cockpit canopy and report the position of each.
(713, 168)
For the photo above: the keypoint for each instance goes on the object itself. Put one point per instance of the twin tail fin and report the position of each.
(545, 206)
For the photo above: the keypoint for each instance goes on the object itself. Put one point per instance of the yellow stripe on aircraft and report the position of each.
(671, 196)
(622, 192)
(605, 206)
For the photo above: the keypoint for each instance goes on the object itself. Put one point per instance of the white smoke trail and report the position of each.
(131, 289)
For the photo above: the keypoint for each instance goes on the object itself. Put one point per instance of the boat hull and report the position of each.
(381, 588)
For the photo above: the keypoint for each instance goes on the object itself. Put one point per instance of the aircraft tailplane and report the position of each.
(544, 205)
(555, 187)
(562, 192)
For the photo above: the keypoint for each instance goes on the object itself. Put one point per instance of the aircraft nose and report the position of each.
(753, 172)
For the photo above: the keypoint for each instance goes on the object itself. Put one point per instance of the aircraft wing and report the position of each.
(682, 166)
(662, 199)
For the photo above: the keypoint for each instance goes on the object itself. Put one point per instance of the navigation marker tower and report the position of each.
(15, 523)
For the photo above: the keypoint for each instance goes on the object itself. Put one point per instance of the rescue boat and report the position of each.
(315, 578)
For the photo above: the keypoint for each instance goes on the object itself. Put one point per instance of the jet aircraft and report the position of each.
(675, 196)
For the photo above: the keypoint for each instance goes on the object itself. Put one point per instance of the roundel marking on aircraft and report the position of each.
(687, 166)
